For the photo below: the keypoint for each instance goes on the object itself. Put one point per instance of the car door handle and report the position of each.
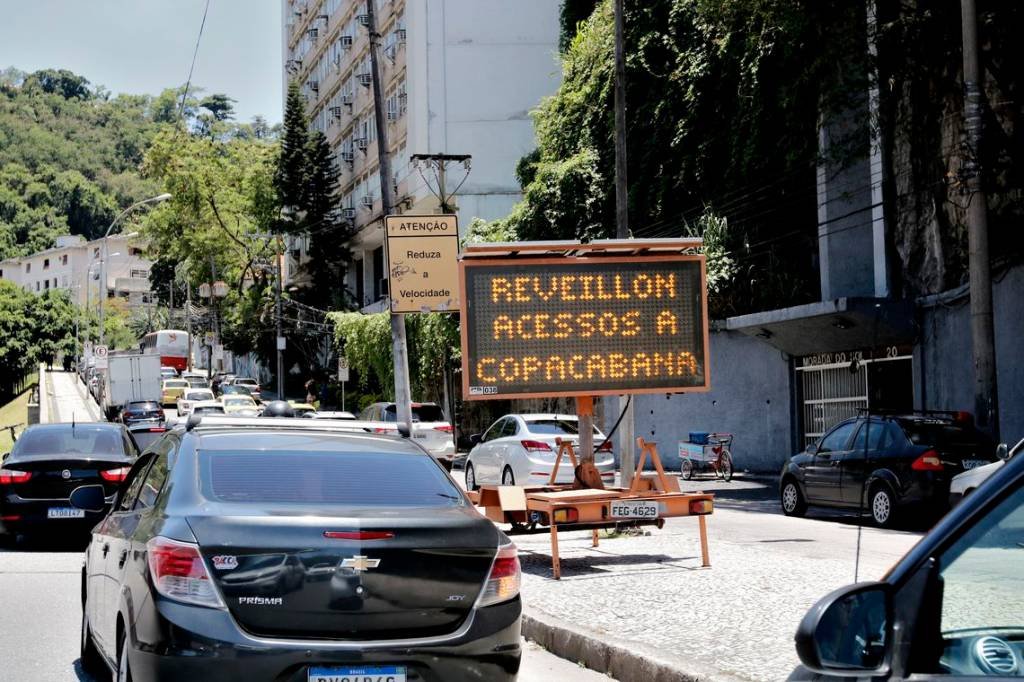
(106, 548)
(835, 462)
(124, 557)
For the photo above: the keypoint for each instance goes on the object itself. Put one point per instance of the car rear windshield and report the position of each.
(69, 440)
(198, 383)
(942, 434)
(199, 395)
(209, 409)
(348, 479)
(146, 437)
(176, 383)
(147, 405)
(556, 427)
(420, 413)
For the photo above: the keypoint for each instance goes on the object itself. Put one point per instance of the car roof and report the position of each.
(63, 426)
(538, 417)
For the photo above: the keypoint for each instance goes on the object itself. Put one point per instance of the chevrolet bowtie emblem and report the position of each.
(360, 563)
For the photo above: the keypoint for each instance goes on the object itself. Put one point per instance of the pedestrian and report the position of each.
(311, 391)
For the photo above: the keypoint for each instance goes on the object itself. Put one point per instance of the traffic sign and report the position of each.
(591, 324)
(423, 254)
(101, 357)
(342, 369)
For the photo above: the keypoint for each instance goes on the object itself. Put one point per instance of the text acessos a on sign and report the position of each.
(584, 326)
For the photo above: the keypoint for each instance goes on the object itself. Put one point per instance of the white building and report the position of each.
(459, 77)
(65, 266)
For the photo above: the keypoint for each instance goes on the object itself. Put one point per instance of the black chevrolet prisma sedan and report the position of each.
(296, 551)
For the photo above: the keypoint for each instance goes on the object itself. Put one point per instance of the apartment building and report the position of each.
(67, 266)
(459, 77)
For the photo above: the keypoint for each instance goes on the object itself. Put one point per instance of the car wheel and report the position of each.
(507, 477)
(89, 656)
(686, 471)
(793, 502)
(124, 670)
(883, 506)
(470, 477)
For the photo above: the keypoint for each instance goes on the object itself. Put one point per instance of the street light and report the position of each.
(160, 198)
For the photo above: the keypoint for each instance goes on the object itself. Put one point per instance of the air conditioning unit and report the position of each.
(367, 201)
(348, 212)
(346, 98)
(323, 17)
(365, 79)
(363, 19)
(314, 86)
(345, 42)
(361, 143)
(293, 65)
(348, 156)
(335, 112)
(313, 33)
(400, 35)
(393, 115)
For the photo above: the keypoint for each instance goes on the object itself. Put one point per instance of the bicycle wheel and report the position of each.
(687, 470)
(725, 466)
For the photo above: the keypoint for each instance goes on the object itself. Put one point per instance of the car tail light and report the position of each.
(381, 429)
(179, 572)
(536, 446)
(503, 582)
(701, 507)
(443, 427)
(13, 476)
(566, 515)
(929, 461)
(358, 534)
(115, 475)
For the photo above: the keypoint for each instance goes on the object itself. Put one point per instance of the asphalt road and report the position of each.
(41, 618)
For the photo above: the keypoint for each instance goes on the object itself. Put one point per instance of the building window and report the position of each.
(140, 274)
(37, 286)
(1, 274)
(96, 252)
(46, 264)
(378, 273)
(28, 268)
(360, 288)
(64, 259)
(134, 251)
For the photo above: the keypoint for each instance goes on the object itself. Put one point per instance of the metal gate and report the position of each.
(834, 391)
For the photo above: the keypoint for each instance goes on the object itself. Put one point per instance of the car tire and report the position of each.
(882, 505)
(89, 655)
(507, 477)
(470, 477)
(793, 502)
(686, 470)
(124, 669)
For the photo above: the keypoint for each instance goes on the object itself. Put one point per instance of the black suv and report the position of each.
(886, 462)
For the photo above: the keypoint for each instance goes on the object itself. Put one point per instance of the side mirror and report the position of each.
(475, 439)
(848, 632)
(89, 498)
(1003, 451)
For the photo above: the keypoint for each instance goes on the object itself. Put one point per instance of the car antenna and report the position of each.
(867, 435)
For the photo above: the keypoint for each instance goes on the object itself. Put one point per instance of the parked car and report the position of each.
(429, 427)
(141, 411)
(967, 482)
(234, 403)
(48, 462)
(208, 407)
(190, 397)
(909, 460)
(248, 383)
(168, 372)
(520, 449)
(297, 550)
(950, 609)
(171, 390)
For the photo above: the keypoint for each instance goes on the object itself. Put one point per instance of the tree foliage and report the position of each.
(36, 328)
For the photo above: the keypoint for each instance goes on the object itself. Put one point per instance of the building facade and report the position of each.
(459, 77)
(69, 263)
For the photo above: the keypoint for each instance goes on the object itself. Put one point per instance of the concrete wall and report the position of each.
(943, 368)
(750, 398)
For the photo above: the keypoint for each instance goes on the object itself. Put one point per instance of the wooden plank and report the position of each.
(512, 498)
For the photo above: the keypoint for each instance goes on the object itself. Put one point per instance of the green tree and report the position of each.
(290, 176)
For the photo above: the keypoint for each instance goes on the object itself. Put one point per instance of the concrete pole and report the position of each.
(986, 403)
(188, 321)
(103, 285)
(400, 351)
(277, 312)
(627, 442)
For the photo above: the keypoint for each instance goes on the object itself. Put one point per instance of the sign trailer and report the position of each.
(558, 319)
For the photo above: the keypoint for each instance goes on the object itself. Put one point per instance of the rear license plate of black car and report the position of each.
(361, 674)
(64, 513)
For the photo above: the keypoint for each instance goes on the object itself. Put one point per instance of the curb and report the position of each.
(624, 661)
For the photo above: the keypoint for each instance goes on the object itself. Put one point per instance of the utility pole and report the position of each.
(986, 401)
(277, 311)
(442, 161)
(188, 321)
(627, 442)
(400, 349)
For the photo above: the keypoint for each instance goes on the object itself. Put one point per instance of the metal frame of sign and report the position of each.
(580, 253)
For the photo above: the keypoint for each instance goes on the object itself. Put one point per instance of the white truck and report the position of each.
(129, 377)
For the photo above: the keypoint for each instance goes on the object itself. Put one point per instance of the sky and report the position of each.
(144, 46)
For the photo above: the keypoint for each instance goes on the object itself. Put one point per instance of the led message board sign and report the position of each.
(544, 327)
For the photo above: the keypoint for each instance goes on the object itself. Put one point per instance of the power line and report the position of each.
(195, 53)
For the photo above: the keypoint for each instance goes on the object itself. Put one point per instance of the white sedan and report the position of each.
(520, 449)
(190, 397)
(964, 484)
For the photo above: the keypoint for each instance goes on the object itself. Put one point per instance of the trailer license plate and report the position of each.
(973, 463)
(65, 513)
(365, 674)
(632, 509)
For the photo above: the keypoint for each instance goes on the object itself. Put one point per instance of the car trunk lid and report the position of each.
(54, 479)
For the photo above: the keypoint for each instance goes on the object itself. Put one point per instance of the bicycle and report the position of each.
(715, 455)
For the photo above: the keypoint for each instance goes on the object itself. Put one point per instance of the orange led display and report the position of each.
(541, 327)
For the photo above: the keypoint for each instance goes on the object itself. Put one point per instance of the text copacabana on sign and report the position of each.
(598, 325)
